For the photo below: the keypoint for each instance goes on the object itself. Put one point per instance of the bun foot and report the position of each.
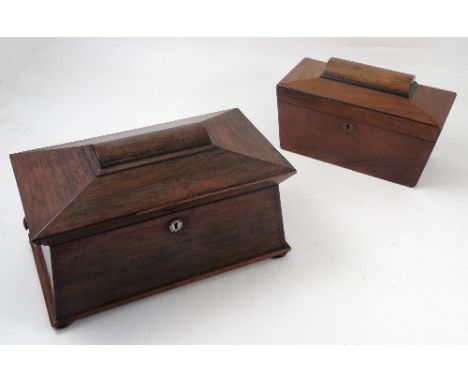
(62, 325)
(279, 256)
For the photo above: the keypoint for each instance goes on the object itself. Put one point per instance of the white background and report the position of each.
(371, 261)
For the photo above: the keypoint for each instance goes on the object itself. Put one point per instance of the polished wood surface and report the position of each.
(372, 117)
(122, 178)
(365, 149)
(60, 324)
(154, 144)
(369, 76)
(391, 136)
(97, 270)
(427, 106)
(103, 207)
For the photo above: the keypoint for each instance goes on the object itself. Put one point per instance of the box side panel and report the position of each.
(102, 269)
(367, 149)
(45, 278)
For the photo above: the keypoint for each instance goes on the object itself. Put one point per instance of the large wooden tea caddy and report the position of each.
(120, 217)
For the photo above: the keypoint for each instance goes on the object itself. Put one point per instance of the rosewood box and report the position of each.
(120, 217)
(375, 121)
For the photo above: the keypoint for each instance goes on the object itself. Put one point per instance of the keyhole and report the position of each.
(348, 127)
(176, 225)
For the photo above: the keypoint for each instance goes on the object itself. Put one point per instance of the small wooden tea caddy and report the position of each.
(372, 120)
(120, 217)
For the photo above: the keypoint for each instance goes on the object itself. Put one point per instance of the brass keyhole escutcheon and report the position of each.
(348, 127)
(176, 225)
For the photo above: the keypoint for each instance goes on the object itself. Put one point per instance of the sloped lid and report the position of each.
(68, 187)
(373, 88)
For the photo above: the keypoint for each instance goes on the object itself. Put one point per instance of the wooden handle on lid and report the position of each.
(369, 76)
(152, 144)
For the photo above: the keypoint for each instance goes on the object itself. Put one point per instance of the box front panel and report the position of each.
(352, 144)
(107, 267)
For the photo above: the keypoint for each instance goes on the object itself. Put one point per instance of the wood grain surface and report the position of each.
(118, 180)
(366, 149)
(363, 118)
(369, 76)
(109, 269)
(103, 207)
